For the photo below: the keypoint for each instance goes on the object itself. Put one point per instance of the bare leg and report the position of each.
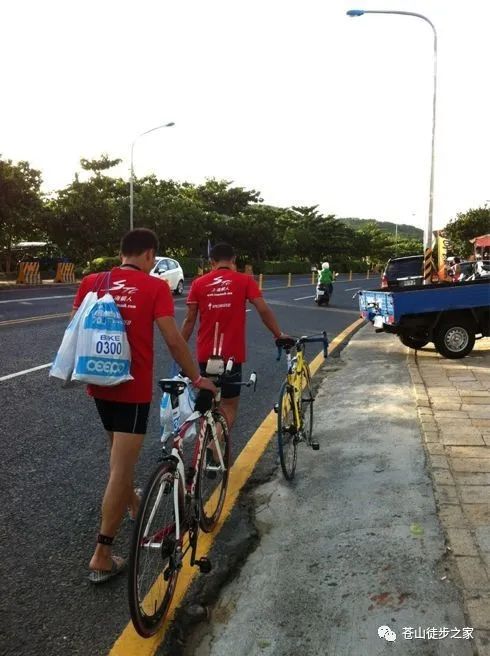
(229, 407)
(119, 493)
(134, 504)
(135, 500)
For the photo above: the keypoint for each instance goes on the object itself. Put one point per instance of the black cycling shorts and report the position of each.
(123, 417)
(235, 376)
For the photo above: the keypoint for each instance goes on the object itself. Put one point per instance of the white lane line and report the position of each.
(36, 298)
(302, 298)
(26, 371)
(351, 289)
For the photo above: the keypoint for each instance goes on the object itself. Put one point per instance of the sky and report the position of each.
(294, 99)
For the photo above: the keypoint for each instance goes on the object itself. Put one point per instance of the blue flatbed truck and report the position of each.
(451, 315)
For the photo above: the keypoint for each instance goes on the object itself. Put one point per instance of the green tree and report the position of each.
(98, 165)
(466, 226)
(406, 247)
(220, 197)
(87, 219)
(254, 233)
(21, 207)
(317, 237)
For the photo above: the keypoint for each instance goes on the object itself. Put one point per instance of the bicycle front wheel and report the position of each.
(213, 474)
(287, 432)
(154, 556)
(306, 403)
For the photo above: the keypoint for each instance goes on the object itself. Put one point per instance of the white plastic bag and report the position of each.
(64, 362)
(103, 355)
(171, 418)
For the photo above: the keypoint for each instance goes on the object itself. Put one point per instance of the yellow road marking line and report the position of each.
(129, 642)
(12, 322)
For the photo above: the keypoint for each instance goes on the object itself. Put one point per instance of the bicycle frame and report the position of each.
(189, 484)
(295, 367)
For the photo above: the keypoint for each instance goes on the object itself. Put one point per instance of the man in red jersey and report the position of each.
(220, 298)
(123, 409)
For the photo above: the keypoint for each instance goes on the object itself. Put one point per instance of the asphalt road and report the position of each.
(54, 460)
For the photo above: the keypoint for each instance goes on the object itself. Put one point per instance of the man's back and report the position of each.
(326, 276)
(221, 297)
(141, 299)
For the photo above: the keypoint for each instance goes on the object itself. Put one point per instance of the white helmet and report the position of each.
(325, 265)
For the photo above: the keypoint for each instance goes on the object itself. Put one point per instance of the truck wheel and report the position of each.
(454, 340)
(413, 342)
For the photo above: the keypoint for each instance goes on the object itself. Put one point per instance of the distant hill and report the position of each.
(404, 230)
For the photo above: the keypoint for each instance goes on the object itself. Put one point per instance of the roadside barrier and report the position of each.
(29, 274)
(65, 272)
(428, 266)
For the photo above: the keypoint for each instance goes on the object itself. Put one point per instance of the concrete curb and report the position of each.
(9, 286)
(463, 547)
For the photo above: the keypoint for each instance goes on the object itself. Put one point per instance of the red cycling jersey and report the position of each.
(141, 299)
(222, 298)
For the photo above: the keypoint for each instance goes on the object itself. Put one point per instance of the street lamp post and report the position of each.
(131, 178)
(428, 235)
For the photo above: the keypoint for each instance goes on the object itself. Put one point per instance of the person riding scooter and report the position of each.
(324, 287)
(326, 277)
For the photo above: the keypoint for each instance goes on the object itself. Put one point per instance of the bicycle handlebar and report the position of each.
(204, 399)
(286, 345)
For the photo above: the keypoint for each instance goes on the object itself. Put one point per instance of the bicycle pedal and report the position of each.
(204, 565)
(315, 446)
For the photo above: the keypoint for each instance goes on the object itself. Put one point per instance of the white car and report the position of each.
(170, 270)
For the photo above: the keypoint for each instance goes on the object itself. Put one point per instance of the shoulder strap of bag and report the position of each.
(103, 280)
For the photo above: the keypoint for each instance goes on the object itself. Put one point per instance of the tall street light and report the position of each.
(428, 234)
(131, 179)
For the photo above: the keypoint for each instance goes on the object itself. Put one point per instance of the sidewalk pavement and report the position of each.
(453, 402)
(358, 540)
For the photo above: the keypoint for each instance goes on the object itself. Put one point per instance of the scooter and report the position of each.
(323, 293)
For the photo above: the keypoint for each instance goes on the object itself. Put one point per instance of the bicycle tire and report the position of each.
(212, 492)
(306, 403)
(147, 613)
(287, 432)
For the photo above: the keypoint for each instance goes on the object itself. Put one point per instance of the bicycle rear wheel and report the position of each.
(306, 403)
(287, 433)
(153, 559)
(212, 477)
